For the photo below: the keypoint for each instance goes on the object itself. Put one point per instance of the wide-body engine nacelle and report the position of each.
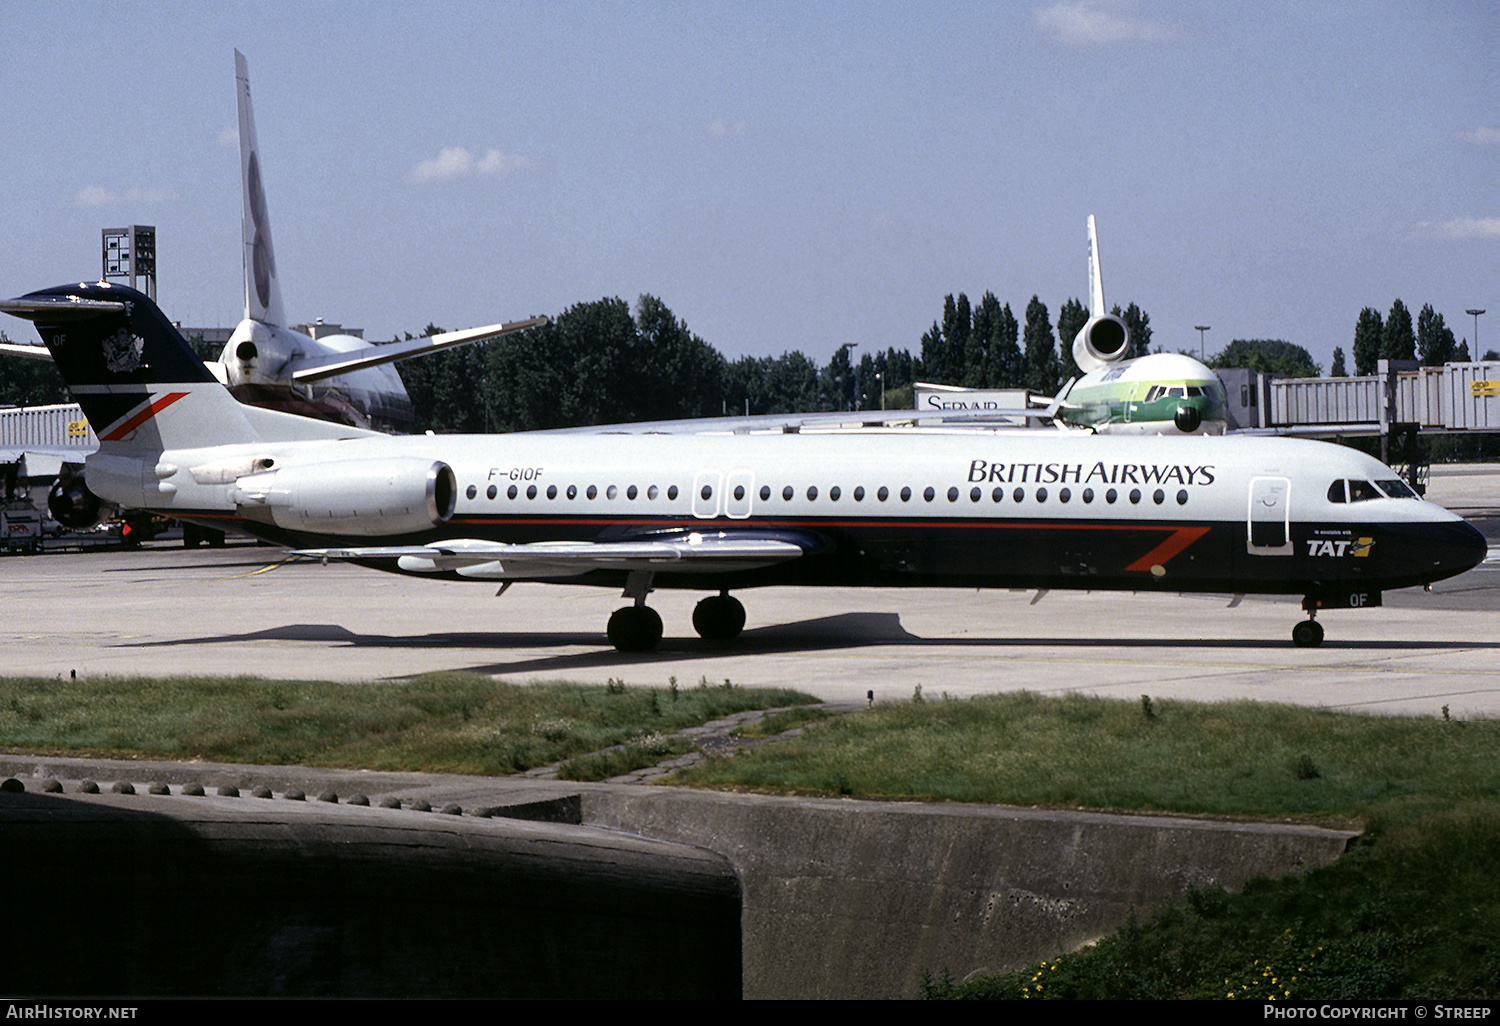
(1102, 341)
(370, 498)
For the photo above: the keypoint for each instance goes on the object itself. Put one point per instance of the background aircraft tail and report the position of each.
(1104, 339)
(262, 289)
(140, 384)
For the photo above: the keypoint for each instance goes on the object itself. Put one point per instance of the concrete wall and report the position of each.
(855, 899)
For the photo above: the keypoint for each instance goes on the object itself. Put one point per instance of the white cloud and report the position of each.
(720, 128)
(1099, 22)
(1459, 229)
(457, 162)
(229, 137)
(99, 196)
(1483, 136)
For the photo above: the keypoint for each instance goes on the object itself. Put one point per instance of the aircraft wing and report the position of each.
(794, 423)
(318, 368)
(713, 552)
(28, 351)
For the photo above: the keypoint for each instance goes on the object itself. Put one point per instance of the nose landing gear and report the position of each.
(1308, 633)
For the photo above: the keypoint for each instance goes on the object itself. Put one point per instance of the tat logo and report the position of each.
(1339, 547)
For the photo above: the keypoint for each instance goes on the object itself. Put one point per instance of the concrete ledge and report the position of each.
(156, 895)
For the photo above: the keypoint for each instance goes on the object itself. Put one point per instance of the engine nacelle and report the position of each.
(369, 498)
(1102, 341)
(72, 504)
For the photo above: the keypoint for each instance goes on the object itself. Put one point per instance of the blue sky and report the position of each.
(783, 175)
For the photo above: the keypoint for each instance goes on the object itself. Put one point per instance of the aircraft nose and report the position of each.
(1453, 548)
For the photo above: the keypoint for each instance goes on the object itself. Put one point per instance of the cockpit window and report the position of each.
(1359, 491)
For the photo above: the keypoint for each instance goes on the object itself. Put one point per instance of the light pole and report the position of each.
(1200, 329)
(1475, 314)
(881, 375)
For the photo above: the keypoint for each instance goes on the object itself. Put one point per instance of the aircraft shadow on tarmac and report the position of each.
(822, 634)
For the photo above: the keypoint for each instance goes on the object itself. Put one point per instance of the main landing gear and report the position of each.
(1308, 633)
(638, 628)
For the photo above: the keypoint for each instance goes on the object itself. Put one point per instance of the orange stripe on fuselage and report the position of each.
(142, 416)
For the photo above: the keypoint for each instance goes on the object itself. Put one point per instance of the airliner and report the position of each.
(1153, 394)
(880, 507)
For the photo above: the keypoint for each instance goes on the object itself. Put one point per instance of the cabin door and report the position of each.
(1270, 516)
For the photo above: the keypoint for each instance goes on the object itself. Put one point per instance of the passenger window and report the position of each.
(552, 491)
(510, 493)
(472, 491)
(859, 493)
(630, 493)
(883, 494)
(906, 495)
(834, 493)
(786, 494)
(765, 492)
(611, 492)
(593, 491)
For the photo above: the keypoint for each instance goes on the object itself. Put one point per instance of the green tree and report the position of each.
(837, 392)
(1040, 348)
(935, 355)
(25, 381)
(1268, 356)
(1070, 321)
(1337, 370)
(1139, 324)
(1399, 341)
(1369, 337)
(1435, 342)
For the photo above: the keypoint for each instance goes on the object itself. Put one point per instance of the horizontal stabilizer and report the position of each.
(318, 368)
(59, 308)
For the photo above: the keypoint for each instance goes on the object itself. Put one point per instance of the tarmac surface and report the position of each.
(244, 610)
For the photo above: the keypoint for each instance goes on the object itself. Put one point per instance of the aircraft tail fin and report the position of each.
(262, 289)
(1104, 339)
(1096, 278)
(140, 384)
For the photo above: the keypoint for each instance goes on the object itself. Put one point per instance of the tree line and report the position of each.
(601, 363)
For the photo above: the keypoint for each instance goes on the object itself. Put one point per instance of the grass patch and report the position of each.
(448, 723)
(1229, 759)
